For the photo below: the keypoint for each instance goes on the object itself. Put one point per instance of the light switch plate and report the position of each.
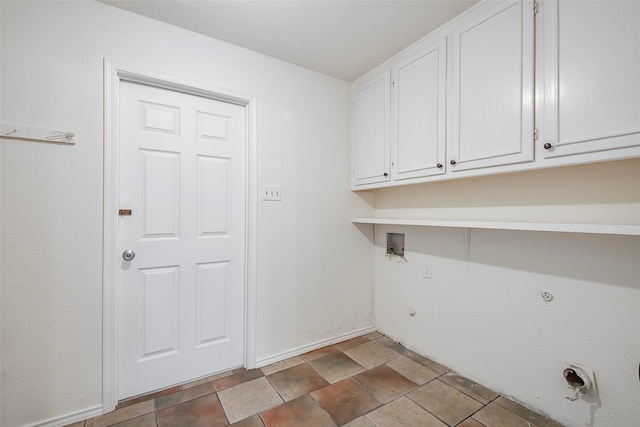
(272, 192)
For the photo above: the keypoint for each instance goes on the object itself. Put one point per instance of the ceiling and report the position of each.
(341, 38)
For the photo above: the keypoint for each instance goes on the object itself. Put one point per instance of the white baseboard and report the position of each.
(264, 361)
(70, 418)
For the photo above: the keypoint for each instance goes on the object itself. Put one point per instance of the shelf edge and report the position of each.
(617, 229)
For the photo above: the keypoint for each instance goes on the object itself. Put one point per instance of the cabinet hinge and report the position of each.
(535, 134)
(535, 7)
(393, 84)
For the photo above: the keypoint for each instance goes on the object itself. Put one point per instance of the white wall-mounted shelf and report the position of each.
(629, 230)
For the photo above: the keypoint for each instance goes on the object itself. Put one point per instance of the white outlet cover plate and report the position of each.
(427, 271)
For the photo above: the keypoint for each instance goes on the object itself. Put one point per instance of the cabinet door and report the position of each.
(370, 145)
(591, 94)
(418, 112)
(491, 110)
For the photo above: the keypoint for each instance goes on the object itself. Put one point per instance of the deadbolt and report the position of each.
(128, 255)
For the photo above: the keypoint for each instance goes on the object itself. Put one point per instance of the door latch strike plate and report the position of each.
(124, 212)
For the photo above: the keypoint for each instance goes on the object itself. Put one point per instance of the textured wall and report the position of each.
(599, 193)
(483, 315)
(51, 196)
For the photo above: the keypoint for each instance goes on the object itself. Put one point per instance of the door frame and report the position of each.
(114, 74)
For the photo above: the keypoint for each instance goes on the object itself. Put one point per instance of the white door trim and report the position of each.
(114, 73)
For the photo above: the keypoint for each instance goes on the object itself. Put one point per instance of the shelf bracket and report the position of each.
(467, 243)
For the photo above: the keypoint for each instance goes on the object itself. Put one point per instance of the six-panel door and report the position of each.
(181, 299)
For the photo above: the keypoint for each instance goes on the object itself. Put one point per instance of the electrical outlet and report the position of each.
(272, 192)
(427, 270)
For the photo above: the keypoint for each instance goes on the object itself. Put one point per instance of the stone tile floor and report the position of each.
(369, 381)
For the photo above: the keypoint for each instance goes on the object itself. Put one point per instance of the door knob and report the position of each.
(128, 255)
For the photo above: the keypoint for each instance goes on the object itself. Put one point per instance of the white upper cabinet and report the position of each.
(510, 85)
(591, 72)
(491, 114)
(370, 132)
(418, 111)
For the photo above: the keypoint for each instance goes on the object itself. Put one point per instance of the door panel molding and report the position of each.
(114, 74)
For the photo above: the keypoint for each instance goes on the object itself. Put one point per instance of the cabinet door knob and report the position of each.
(386, 174)
(439, 165)
(453, 162)
(547, 146)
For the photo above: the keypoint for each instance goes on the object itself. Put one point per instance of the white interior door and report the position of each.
(181, 298)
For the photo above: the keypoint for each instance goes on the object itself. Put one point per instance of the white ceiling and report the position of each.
(341, 38)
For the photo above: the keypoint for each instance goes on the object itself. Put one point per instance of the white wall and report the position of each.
(483, 316)
(315, 268)
(599, 193)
